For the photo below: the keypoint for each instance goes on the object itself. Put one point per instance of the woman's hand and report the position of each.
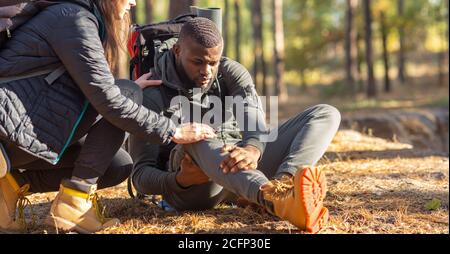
(192, 133)
(144, 82)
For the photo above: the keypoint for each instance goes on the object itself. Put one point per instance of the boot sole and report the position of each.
(64, 225)
(313, 192)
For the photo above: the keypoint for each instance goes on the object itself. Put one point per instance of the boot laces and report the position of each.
(99, 207)
(22, 203)
(279, 189)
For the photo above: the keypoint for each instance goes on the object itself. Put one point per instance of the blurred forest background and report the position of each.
(382, 63)
(328, 48)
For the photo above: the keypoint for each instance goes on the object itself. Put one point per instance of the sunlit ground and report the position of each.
(375, 186)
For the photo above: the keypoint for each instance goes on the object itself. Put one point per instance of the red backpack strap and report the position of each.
(133, 50)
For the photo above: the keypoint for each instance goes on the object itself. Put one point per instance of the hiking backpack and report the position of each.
(145, 41)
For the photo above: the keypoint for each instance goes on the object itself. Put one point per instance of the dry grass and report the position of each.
(375, 186)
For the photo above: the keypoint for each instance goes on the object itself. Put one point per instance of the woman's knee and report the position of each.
(130, 90)
(118, 171)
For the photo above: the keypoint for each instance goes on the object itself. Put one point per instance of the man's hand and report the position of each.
(190, 174)
(192, 133)
(144, 82)
(240, 159)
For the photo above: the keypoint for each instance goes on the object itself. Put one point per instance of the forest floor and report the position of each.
(375, 185)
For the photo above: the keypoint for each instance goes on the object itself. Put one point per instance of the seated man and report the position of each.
(240, 161)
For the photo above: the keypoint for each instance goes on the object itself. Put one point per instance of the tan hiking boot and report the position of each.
(299, 200)
(73, 210)
(12, 198)
(5, 164)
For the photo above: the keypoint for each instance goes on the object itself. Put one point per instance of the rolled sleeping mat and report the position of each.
(213, 14)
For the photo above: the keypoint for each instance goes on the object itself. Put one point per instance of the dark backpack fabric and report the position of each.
(146, 40)
(149, 40)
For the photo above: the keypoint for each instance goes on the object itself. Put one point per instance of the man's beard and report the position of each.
(190, 84)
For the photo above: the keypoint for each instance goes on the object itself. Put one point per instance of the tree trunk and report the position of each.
(442, 55)
(448, 22)
(279, 47)
(401, 35)
(446, 57)
(384, 35)
(226, 22)
(303, 84)
(371, 85)
(237, 40)
(441, 64)
(149, 6)
(359, 62)
(179, 7)
(259, 63)
(350, 47)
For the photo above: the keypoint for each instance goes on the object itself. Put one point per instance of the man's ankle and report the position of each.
(283, 175)
(268, 205)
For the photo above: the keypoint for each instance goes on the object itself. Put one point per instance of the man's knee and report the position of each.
(204, 148)
(196, 146)
(130, 90)
(329, 112)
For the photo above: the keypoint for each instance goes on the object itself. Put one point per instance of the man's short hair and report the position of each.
(203, 31)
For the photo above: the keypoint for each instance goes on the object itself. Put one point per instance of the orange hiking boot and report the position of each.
(299, 200)
(12, 198)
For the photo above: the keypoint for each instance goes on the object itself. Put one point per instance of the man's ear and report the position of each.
(176, 50)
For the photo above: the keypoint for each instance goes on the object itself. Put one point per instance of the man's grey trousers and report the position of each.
(302, 140)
